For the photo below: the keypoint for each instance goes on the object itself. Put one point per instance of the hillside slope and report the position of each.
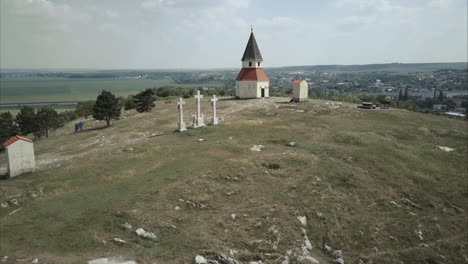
(370, 183)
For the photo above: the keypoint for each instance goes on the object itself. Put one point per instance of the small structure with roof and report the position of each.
(20, 153)
(252, 81)
(300, 90)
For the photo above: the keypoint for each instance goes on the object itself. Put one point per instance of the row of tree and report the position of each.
(29, 121)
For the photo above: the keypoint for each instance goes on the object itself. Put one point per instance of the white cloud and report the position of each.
(109, 27)
(161, 5)
(238, 3)
(112, 14)
(359, 20)
(276, 21)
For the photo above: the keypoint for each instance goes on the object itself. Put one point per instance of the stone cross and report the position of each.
(181, 125)
(199, 122)
(213, 100)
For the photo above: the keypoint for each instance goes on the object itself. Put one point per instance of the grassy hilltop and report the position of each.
(370, 183)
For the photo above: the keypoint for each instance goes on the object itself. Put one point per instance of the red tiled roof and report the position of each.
(298, 81)
(252, 74)
(14, 139)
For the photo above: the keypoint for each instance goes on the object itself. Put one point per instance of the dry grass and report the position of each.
(346, 169)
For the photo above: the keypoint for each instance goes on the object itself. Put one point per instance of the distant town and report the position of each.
(432, 86)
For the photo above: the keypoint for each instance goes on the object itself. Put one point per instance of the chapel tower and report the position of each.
(252, 81)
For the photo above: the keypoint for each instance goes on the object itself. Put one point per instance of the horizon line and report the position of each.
(228, 68)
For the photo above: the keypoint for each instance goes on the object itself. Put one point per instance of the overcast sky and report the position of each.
(157, 34)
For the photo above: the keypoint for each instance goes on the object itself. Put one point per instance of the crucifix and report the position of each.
(213, 100)
(181, 125)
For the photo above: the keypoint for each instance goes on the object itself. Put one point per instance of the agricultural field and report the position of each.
(45, 89)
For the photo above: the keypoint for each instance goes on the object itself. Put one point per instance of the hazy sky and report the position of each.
(213, 33)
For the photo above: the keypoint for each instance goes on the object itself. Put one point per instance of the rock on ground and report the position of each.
(257, 148)
(200, 260)
(446, 149)
(142, 233)
(111, 261)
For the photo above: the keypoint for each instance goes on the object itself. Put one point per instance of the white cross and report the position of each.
(180, 106)
(213, 100)
(198, 96)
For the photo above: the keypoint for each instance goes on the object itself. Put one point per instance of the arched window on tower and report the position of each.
(250, 64)
(258, 64)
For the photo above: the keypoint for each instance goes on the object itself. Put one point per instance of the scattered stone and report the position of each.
(394, 203)
(420, 234)
(327, 248)
(200, 260)
(111, 261)
(446, 149)
(177, 208)
(408, 201)
(233, 216)
(300, 111)
(4, 204)
(119, 241)
(339, 261)
(230, 137)
(201, 140)
(307, 260)
(257, 148)
(130, 149)
(13, 202)
(4, 259)
(303, 220)
(34, 195)
(375, 250)
(424, 245)
(145, 234)
(36, 260)
(291, 144)
(127, 226)
(337, 254)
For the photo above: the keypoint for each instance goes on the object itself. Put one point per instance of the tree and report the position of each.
(85, 109)
(406, 96)
(441, 96)
(47, 118)
(8, 128)
(27, 122)
(400, 95)
(130, 103)
(107, 107)
(145, 100)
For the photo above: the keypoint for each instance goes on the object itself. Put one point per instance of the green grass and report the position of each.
(345, 169)
(24, 90)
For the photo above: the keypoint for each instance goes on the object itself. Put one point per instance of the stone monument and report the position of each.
(213, 100)
(198, 120)
(181, 125)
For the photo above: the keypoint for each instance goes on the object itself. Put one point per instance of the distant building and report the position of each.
(252, 81)
(20, 153)
(300, 90)
(439, 107)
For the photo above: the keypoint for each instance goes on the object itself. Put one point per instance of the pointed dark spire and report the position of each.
(251, 51)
